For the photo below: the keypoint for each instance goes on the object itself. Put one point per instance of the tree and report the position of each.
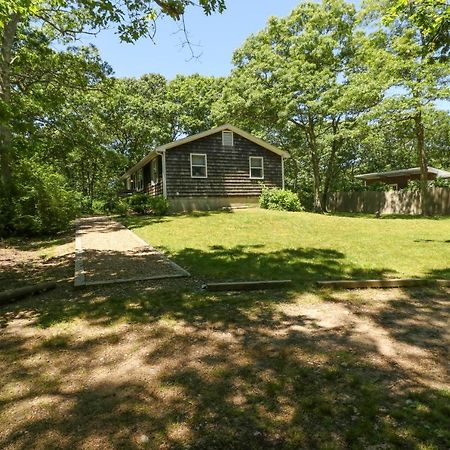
(305, 74)
(136, 116)
(431, 17)
(63, 20)
(191, 100)
(416, 60)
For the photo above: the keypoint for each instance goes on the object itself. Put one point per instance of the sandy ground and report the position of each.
(111, 252)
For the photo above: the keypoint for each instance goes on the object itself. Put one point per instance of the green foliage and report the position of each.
(142, 203)
(54, 98)
(304, 80)
(279, 199)
(43, 203)
(441, 182)
(139, 203)
(159, 205)
(430, 17)
(121, 207)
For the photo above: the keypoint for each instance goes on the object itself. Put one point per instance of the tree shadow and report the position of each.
(40, 242)
(442, 241)
(136, 221)
(148, 365)
(250, 262)
(19, 273)
(107, 265)
(369, 215)
(203, 371)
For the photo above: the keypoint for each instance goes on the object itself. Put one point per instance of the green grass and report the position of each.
(260, 244)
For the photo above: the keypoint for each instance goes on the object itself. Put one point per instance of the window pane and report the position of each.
(256, 162)
(154, 170)
(198, 171)
(198, 160)
(256, 172)
(227, 138)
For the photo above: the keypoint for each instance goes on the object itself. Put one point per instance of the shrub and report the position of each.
(279, 199)
(145, 204)
(120, 207)
(160, 206)
(139, 203)
(43, 203)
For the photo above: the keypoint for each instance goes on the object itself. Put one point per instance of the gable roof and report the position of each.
(194, 137)
(403, 172)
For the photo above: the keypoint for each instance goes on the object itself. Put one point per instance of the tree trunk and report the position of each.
(420, 143)
(336, 144)
(7, 41)
(311, 139)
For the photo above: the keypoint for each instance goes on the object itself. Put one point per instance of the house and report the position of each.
(224, 166)
(398, 179)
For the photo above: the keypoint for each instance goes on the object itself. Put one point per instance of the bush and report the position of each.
(139, 203)
(120, 207)
(145, 204)
(280, 199)
(42, 204)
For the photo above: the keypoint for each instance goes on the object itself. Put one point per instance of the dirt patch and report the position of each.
(152, 366)
(27, 261)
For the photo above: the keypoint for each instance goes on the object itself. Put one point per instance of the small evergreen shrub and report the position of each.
(280, 199)
(160, 205)
(139, 203)
(120, 207)
(145, 204)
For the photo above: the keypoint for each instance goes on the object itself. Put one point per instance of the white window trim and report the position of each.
(232, 138)
(205, 166)
(250, 167)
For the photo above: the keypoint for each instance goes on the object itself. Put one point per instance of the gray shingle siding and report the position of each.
(228, 168)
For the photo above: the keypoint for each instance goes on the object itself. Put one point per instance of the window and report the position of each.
(227, 138)
(129, 183)
(139, 180)
(199, 165)
(393, 186)
(154, 173)
(257, 167)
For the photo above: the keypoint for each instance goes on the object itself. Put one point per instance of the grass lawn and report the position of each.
(260, 244)
(164, 365)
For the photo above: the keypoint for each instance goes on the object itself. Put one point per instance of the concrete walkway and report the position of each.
(107, 252)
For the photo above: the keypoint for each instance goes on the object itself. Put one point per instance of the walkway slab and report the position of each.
(107, 252)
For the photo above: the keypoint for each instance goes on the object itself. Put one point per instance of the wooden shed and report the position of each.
(398, 179)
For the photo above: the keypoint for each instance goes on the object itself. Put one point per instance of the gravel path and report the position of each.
(107, 252)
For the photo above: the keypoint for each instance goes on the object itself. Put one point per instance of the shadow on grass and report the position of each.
(250, 262)
(362, 215)
(442, 241)
(136, 221)
(413, 217)
(211, 372)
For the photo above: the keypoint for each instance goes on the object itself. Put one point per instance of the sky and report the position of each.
(217, 35)
(214, 40)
